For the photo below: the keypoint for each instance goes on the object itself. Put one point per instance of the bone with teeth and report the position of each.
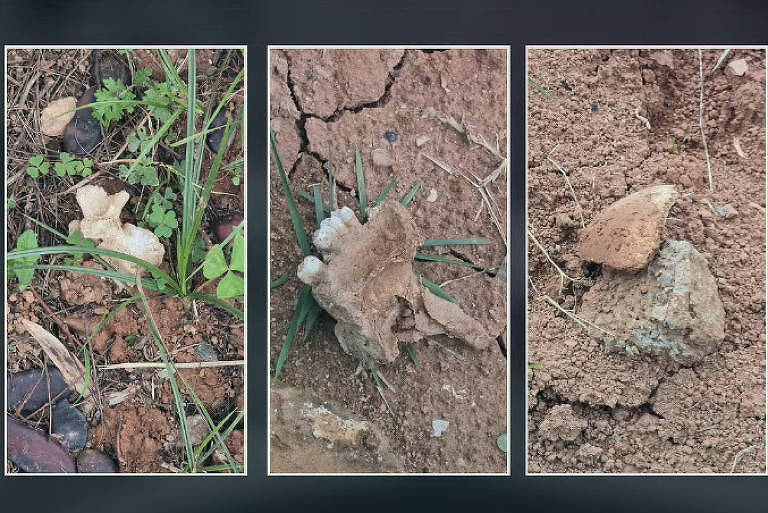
(367, 284)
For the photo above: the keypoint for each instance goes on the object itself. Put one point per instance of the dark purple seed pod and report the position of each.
(93, 461)
(32, 451)
(83, 133)
(70, 425)
(214, 139)
(223, 226)
(108, 64)
(30, 389)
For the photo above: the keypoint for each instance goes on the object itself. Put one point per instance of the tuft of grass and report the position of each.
(413, 355)
(362, 193)
(411, 194)
(299, 314)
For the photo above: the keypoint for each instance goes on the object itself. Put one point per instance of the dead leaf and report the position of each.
(57, 115)
(71, 369)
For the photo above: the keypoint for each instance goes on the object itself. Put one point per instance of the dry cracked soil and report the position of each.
(590, 410)
(324, 104)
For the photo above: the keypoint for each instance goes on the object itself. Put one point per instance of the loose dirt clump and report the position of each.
(399, 108)
(620, 121)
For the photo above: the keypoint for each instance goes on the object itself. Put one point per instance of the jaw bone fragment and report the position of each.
(101, 221)
(366, 282)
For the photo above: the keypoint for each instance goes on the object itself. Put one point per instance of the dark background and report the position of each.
(391, 22)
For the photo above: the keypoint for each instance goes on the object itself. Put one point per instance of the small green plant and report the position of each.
(215, 264)
(161, 99)
(76, 238)
(27, 240)
(68, 165)
(113, 102)
(162, 218)
(142, 172)
(141, 77)
(38, 166)
(673, 146)
(139, 140)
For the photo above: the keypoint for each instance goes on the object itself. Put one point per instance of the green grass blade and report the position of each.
(413, 355)
(453, 242)
(171, 375)
(411, 194)
(298, 224)
(538, 87)
(225, 435)
(48, 250)
(318, 197)
(276, 284)
(207, 439)
(362, 193)
(385, 192)
(101, 273)
(311, 198)
(299, 313)
(188, 191)
(434, 258)
(435, 289)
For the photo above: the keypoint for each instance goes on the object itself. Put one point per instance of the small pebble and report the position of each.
(92, 461)
(206, 353)
(382, 158)
(432, 197)
(198, 428)
(70, 426)
(422, 140)
(439, 427)
(595, 107)
(108, 64)
(738, 67)
(390, 136)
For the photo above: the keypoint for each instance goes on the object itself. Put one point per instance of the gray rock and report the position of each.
(206, 353)
(671, 308)
(32, 451)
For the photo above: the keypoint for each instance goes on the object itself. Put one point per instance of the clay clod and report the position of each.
(672, 308)
(367, 284)
(627, 235)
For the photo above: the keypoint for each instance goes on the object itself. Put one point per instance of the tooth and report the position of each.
(336, 224)
(310, 270)
(347, 216)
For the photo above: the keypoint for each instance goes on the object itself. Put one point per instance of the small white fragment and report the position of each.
(309, 269)
(422, 140)
(432, 196)
(439, 427)
(738, 67)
